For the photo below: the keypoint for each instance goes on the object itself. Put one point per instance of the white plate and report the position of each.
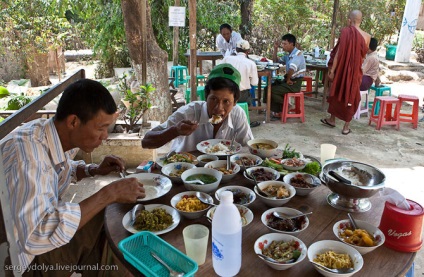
(173, 212)
(161, 160)
(155, 185)
(206, 144)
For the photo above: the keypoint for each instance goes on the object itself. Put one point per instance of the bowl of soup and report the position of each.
(206, 158)
(209, 176)
(263, 148)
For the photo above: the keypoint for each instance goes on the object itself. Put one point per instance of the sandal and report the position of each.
(254, 124)
(325, 122)
(346, 132)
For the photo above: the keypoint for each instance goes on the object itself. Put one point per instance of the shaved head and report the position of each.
(355, 16)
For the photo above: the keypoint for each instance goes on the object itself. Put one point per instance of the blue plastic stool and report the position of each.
(245, 107)
(378, 92)
(200, 94)
(411, 271)
(253, 95)
(177, 71)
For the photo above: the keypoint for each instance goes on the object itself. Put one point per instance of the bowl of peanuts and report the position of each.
(189, 206)
(221, 165)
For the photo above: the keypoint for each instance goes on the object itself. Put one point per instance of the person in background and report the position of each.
(295, 66)
(39, 168)
(345, 72)
(227, 39)
(370, 67)
(248, 72)
(216, 118)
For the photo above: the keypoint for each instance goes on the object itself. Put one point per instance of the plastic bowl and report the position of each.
(189, 215)
(263, 153)
(249, 160)
(263, 241)
(173, 168)
(371, 229)
(313, 180)
(223, 164)
(250, 195)
(266, 216)
(274, 201)
(323, 246)
(247, 173)
(245, 213)
(202, 170)
(205, 158)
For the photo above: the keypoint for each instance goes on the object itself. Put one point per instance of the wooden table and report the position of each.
(324, 70)
(202, 56)
(268, 74)
(381, 262)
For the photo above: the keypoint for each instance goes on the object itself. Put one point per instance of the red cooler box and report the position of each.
(403, 228)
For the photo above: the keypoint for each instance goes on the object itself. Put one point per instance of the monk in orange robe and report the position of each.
(344, 70)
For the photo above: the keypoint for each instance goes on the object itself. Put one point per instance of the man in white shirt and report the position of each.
(246, 67)
(227, 39)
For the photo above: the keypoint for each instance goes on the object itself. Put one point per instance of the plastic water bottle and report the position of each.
(316, 50)
(226, 237)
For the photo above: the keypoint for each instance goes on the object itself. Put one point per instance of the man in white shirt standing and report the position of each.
(227, 39)
(247, 69)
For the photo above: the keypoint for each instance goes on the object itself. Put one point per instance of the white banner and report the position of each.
(177, 16)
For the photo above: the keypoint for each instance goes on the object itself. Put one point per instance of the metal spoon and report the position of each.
(135, 209)
(202, 197)
(269, 259)
(194, 182)
(352, 221)
(286, 216)
(170, 154)
(258, 189)
(172, 273)
(339, 178)
(339, 270)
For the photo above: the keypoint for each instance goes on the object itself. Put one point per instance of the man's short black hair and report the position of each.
(290, 38)
(85, 98)
(373, 44)
(225, 26)
(222, 83)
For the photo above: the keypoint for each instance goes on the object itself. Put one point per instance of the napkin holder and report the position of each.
(403, 228)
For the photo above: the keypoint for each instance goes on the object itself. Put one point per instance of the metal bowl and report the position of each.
(352, 197)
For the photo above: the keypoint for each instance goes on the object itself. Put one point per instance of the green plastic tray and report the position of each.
(136, 250)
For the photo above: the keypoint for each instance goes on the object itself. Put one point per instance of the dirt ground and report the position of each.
(399, 154)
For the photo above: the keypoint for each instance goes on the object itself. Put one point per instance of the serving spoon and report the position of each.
(197, 181)
(352, 221)
(258, 189)
(335, 270)
(286, 216)
(269, 259)
(135, 209)
(202, 197)
(172, 273)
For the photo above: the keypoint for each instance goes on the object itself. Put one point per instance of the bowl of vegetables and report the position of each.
(273, 245)
(364, 239)
(209, 177)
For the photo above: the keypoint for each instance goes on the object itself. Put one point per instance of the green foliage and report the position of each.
(418, 42)
(17, 102)
(136, 99)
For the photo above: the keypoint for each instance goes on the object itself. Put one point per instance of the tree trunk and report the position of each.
(334, 23)
(38, 69)
(246, 11)
(157, 59)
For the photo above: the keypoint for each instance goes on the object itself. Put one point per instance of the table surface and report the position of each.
(202, 56)
(381, 262)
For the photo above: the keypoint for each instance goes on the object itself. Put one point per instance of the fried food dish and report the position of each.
(278, 192)
(190, 203)
(333, 260)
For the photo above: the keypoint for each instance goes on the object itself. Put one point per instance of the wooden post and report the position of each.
(334, 24)
(176, 39)
(193, 54)
(144, 53)
(407, 31)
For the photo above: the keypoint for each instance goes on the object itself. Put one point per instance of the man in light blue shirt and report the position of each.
(295, 67)
(227, 39)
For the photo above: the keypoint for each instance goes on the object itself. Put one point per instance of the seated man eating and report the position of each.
(216, 118)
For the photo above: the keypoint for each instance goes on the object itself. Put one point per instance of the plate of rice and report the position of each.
(218, 147)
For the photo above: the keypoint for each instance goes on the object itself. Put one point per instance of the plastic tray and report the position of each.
(136, 250)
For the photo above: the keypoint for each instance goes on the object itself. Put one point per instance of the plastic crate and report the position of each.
(136, 250)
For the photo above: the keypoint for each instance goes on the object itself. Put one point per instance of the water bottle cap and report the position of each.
(226, 196)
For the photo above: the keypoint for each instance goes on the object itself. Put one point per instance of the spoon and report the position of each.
(258, 189)
(170, 154)
(339, 178)
(135, 209)
(352, 221)
(339, 270)
(285, 216)
(172, 273)
(202, 197)
(194, 182)
(269, 259)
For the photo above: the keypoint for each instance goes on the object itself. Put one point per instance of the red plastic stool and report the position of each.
(298, 111)
(308, 88)
(413, 117)
(384, 116)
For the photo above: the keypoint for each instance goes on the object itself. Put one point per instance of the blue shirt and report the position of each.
(296, 61)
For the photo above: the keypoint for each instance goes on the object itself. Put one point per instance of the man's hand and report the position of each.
(109, 164)
(289, 82)
(186, 127)
(125, 190)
